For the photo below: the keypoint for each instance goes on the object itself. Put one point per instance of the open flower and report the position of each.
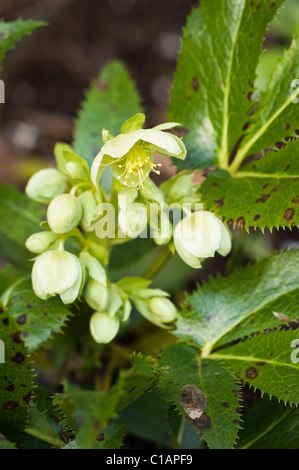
(200, 235)
(57, 273)
(130, 154)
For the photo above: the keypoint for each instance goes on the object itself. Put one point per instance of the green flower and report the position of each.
(130, 154)
(103, 327)
(64, 213)
(45, 184)
(57, 273)
(200, 235)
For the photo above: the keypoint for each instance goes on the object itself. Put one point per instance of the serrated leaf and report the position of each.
(265, 362)
(263, 194)
(277, 115)
(12, 32)
(111, 100)
(37, 319)
(15, 379)
(269, 425)
(215, 313)
(110, 438)
(88, 412)
(19, 216)
(214, 80)
(219, 423)
(39, 427)
(137, 380)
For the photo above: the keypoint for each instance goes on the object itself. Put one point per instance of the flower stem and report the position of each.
(158, 264)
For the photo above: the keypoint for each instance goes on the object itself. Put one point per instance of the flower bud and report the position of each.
(200, 235)
(88, 206)
(57, 272)
(133, 219)
(96, 295)
(75, 171)
(103, 327)
(64, 213)
(163, 232)
(39, 242)
(163, 309)
(44, 185)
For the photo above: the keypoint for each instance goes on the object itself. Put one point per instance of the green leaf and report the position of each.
(264, 193)
(180, 366)
(19, 216)
(15, 379)
(110, 438)
(277, 115)
(39, 427)
(212, 88)
(12, 32)
(111, 100)
(265, 362)
(151, 411)
(88, 412)
(138, 380)
(37, 319)
(5, 444)
(269, 425)
(228, 308)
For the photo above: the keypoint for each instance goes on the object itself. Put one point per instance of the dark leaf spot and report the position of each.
(102, 85)
(10, 405)
(10, 388)
(295, 199)
(251, 373)
(225, 404)
(219, 202)
(28, 306)
(240, 222)
(22, 319)
(5, 321)
(195, 84)
(203, 422)
(16, 337)
(289, 213)
(257, 217)
(263, 198)
(18, 358)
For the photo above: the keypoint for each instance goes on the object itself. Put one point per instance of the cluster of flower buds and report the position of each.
(71, 257)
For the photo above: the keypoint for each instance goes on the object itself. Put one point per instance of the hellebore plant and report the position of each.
(148, 302)
(75, 197)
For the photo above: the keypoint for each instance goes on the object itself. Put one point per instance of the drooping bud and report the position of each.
(57, 273)
(163, 309)
(45, 185)
(163, 231)
(88, 205)
(200, 235)
(96, 295)
(64, 213)
(133, 219)
(39, 242)
(103, 327)
(70, 164)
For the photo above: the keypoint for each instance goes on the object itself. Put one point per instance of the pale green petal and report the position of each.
(164, 143)
(143, 308)
(56, 271)
(115, 301)
(226, 242)
(167, 125)
(69, 295)
(103, 327)
(36, 284)
(191, 260)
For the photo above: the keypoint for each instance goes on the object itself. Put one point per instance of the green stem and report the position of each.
(158, 263)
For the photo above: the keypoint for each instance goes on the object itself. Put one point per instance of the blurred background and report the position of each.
(47, 74)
